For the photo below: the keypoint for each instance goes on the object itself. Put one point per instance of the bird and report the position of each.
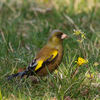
(47, 59)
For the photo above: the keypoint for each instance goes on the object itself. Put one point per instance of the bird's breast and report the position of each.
(52, 65)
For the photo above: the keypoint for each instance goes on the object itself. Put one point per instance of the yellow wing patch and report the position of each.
(38, 65)
(52, 55)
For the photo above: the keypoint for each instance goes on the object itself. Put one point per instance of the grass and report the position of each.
(24, 29)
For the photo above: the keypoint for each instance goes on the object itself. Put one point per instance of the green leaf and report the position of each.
(0, 95)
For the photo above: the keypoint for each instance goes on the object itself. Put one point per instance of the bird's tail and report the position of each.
(17, 74)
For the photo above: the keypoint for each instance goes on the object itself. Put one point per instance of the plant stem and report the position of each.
(75, 70)
(85, 59)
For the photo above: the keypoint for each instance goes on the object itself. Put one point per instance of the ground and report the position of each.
(24, 29)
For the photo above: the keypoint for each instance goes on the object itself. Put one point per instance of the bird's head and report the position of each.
(56, 37)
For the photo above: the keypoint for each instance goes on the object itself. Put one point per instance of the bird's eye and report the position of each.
(59, 35)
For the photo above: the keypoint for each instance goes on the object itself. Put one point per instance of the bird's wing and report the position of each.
(42, 59)
(46, 58)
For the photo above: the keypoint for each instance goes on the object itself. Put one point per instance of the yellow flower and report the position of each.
(83, 35)
(76, 32)
(80, 41)
(88, 75)
(80, 61)
(96, 64)
(56, 72)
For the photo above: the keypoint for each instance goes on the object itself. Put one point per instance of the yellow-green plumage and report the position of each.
(49, 56)
(44, 57)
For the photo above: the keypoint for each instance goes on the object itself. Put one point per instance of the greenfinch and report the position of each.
(49, 57)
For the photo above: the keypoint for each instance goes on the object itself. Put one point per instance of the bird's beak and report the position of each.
(64, 36)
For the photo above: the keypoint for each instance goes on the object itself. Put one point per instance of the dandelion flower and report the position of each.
(80, 61)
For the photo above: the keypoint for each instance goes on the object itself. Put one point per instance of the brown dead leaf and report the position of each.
(85, 92)
(53, 98)
(42, 10)
(34, 79)
(21, 69)
(67, 98)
